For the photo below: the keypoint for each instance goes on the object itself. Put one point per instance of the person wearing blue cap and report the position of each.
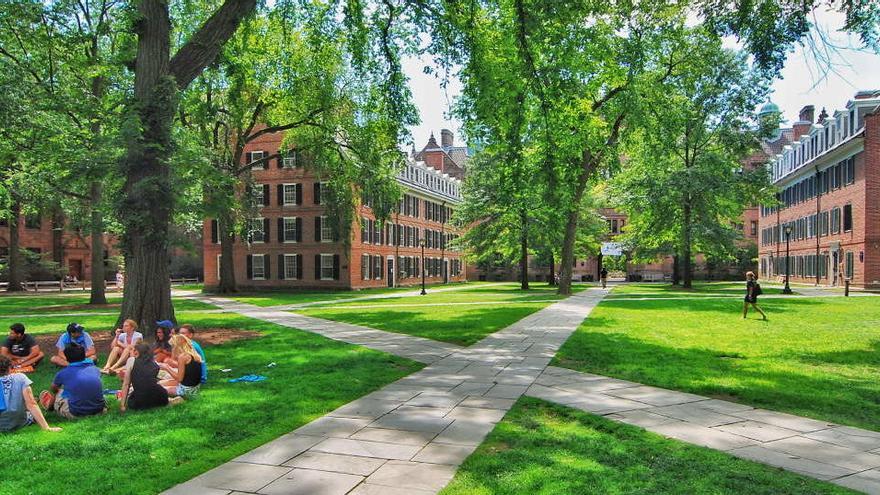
(75, 334)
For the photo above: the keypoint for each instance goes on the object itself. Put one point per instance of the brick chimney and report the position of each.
(805, 121)
(446, 138)
(806, 114)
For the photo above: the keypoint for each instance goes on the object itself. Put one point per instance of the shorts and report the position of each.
(753, 299)
(187, 392)
(62, 408)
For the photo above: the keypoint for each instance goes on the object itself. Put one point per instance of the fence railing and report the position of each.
(84, 285)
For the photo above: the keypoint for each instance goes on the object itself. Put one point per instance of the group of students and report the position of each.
(165, 373)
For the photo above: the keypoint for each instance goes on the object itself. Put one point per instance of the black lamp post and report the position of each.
(422, 243)
(787, 289)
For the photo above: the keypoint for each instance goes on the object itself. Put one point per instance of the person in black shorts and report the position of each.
(753, 290)
(603, 277)
(21, 349)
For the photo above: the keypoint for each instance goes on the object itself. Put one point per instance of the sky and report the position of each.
(803, 81)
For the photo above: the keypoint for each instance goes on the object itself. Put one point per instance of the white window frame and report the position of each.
(257, 194)
(218, 266)
(324, 258)
(326, 230)
(289, 161)
(377, 267)
(262, 258)
(287, 275)
(284, 232)
(284, 192)
(254, 158)
(261, 231)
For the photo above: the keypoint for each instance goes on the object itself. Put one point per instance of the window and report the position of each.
(33, 222)
(318, 193)
(258, 194)
(847, 218)
(327, 271)
(377, 267)
(258, 230)
(289, 161)
(365, 267)
(326, 230)
(254, 156)
(291, 267)
(835, 221)
(850, 170)
(291, 232)
(258, 267)
(754, 227)
(850, 265)
(289, 194)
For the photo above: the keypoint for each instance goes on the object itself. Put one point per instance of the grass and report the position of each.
(444, 316)
(815, 357)
(65, 303)
(544, 449)
(283, 298)
(699, 289)
(147, 452)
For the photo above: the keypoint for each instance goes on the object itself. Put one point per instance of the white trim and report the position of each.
(284, 268)
(330, 256)
(254, 266)
(284, 230)
(284, 194)
(262, 230)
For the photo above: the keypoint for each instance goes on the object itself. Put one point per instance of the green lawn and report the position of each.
(283, 298)
(65, 303)
(815, 357)
(454, 317)
(708, 289)
(146, 452)
(540, 448)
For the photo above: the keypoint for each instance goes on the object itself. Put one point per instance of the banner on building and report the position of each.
(612, 249)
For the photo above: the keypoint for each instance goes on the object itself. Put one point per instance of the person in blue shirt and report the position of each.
(187, 331)
(75, 334)
(78, 389)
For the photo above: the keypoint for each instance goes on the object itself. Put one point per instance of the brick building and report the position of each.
(292, 244)
(828, 180)
(48, 236)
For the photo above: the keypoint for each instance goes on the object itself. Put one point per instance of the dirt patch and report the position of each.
(206, 337)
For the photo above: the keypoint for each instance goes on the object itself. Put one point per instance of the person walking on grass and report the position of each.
(603, 276)
(753, 290)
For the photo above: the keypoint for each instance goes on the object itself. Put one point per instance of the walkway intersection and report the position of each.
(410, 436)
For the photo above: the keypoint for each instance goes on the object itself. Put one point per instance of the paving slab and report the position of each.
(845, 436)
(411, 422)
(241, 476)
(603, 404)
(506, 391)
(347, 464)
(654, 396)
(444, 453)
(192, 487)
(825, 452)
(366, 448)
(488, 403)
(463, 432)
(789, 462)
(366, 409)
(701, 435)
(866, 481)
(329, 426)
(368, 489)
(477, 414)
(412, 475)
(790, 421)
(761, 432)
(280, 450)
(310, 482)
(693, 413)
(419, 438)
(641, 418)
(725, 407)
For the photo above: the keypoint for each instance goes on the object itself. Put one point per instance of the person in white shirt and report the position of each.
(123, 343)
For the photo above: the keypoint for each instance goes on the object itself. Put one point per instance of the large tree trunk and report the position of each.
(571, 223)
(687, 265)
(552, 278)
(98, 295)
(227, 260)
(524, 251)
(15, 273)
(676, 270)
(148, 203)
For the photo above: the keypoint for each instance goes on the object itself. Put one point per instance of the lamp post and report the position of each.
(422, 243)
(787, 289)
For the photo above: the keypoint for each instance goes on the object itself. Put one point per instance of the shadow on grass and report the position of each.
(792, 387)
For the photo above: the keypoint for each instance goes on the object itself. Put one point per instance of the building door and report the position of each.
(76, 268)
(390, 274)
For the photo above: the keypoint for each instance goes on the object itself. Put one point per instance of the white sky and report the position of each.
(803, 81)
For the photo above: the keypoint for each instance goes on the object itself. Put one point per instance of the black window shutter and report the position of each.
(280, 229)
(247, 157)
(381, 267)
(250, 267)
(215, 232)
(264, 163)
(280, 267)
(299, 266)
(299, 229)
(266, 264)
(317, 229)
(266, 236)
(265, 194)
(280, 194)
(280, 159)
(299, 194)
(317, 267)
(335, 267)
(317, 193)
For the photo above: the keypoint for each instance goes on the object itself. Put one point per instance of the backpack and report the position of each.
(756, 291)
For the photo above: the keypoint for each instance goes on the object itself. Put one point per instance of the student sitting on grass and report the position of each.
(162, 346)
(140, 384)
(78, 388)
(19, 407)
(75, 334)
(188, 331)
(186, 378)
(123, 343)
(21, 349)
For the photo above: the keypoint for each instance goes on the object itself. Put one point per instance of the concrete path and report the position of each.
(840, 454)
(408, 437)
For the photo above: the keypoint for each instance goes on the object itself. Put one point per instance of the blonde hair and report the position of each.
(181, 345)
(750, 275)
(134, 324)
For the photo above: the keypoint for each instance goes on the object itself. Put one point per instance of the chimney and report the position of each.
(446, 138)
(806, 114)
(822, 116)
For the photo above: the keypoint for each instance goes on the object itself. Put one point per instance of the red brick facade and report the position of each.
(298, 250)
(829, 181)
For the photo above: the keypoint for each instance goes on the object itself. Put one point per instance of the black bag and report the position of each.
(756, 291)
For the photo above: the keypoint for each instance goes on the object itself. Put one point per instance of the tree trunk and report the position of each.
(687, 272)
(58, 236)
(524, 251)
(97, 296)
(676, 273)
(227, 260)
(552, 279)
(15, 274)
(571, 223)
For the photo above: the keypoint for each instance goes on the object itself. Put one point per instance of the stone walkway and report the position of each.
(408, 437)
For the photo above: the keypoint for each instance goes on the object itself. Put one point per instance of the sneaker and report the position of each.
(47, 400)
(173, 401)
